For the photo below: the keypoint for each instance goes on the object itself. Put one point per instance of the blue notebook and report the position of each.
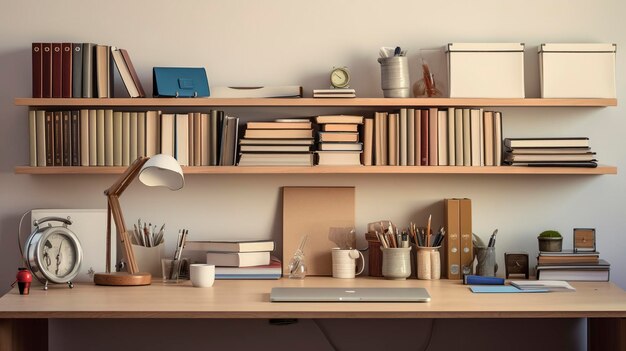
(502, 289)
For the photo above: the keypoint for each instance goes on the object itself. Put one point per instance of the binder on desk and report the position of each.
(453, 255)
(465, 224)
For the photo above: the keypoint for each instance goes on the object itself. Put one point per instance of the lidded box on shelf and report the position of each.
(486, 70)
(577, 70)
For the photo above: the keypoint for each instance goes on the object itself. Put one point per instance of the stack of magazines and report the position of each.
(549, 152)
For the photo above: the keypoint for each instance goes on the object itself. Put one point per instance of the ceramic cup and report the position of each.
(396, 262)
(344, 263)
(202, 275)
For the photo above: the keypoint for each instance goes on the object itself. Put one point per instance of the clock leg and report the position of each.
(70, 284)
(45, 285)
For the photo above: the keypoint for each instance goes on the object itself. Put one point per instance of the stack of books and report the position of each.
(339, 140)
(284, 142)
(572, 265)
(334, 93)
(240, 259)
(549, 152)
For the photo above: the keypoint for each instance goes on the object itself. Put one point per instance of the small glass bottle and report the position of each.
(297, 267)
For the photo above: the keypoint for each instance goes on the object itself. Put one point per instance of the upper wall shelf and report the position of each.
(310, 102)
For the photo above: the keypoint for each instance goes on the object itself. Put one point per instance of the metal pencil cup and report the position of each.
(396, 262)
(428, 262)
(486, 257)
(394, 76)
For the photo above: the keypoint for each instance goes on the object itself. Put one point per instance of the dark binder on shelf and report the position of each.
(67, 138)
(75, 138)
(46, 70)
(57, 71)
(49, 121)
(88, 70)
(66, 70)
(37, 70)
(58, 139)
(77, 70)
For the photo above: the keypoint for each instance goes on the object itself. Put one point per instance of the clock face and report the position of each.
(59, 256)
(339, 78)
(516, 263)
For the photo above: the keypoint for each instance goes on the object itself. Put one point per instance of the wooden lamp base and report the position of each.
(122, 279)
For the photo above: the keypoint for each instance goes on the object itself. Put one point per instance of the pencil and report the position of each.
(430, 217)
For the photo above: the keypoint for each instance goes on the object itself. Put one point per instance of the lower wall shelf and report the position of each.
(601, 169)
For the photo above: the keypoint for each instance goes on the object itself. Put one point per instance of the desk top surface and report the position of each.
(250, 299)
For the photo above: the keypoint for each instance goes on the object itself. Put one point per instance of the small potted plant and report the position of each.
(550, 240)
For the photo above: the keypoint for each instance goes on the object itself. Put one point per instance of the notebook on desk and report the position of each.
(297, 294)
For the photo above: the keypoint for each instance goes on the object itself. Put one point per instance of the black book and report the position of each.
(75, 138)
(77, 70)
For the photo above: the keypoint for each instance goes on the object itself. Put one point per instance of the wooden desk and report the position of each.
(603, 303)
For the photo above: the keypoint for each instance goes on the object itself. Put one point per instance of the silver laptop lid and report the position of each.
(297, 294)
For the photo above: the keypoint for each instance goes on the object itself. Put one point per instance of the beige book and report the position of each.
(279, 133)
(126, 138)
(84, 137)
(334, 209)
(339, 137)
(451, 137)
(32, 138)
(368, 139)
(403, 139)
(103, 71)
(467, 138)
(108, 137)
(141, 134)
(197, 139)
(204, 139)
(442, 138)
(167, 134)
(488, 132)
(475, 118)
(190, 138)
(393, 137)
(181, 135)
(40, 117)
(410, 148)
(339, 127)
(93, 138)
(458, 136)
(305, 124)
(379, 119)
(497, 138)
(152, 134)
(133, 137)
(384, 143)
(342, 119)
(418, 137)
(433, 155)
(117, 138)
(101, 138)
(482, 137)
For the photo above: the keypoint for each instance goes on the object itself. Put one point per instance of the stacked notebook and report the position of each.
(240, 259)
(339, 140)
(549, 152)
(572, 265)
(334, 93)
(284, 142)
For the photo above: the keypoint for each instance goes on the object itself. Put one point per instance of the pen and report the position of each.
(492, 239)
(397, 51)
(430, 217)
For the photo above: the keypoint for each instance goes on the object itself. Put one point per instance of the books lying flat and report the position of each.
(271, 271)
(566, 259)
(550, 157)
(550, 285)
(276, 159)
(550, 150)
(339, 158)
(238, 259)
(570, 252)
(230, 246)
(334, 93)
(328, 95)
(590, 164)
(546, 142)
(339, 119)
(278, 133)
(257, 92)
(304, 141)
(275, 148)
(340, 146)
(340, 127)
(575, 271)
(338, 136)
(304, 124)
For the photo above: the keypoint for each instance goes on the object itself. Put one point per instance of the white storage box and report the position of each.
(486, 70)
(577, 70)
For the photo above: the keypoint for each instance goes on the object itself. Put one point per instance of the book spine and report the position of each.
(452, 243)
(67, 138)
(141, 134)
(410, 130)
(37, 62)
(32, 140)
(117, 138)
(133, 135)
(58, 139)
(417, 124)
(57, 71)
(84, 138)
(197, 139)
(424, 136)
(451, 137)
(458, 137)
(108, 138)
(77, 70)
(442, 138)
(41, 138)
(100, 141)
(66, 70)
(125, 138)
(75, 135)
(368, 134)
(465, 225)
(204, 147)
(46, 70)
(49, 138)
(133, 73)
(93, 138)
(88, 67)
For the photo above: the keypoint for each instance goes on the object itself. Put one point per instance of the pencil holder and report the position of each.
(149, 258)
(394, 76)
(428, 263)
(486, 257)
(396, 262)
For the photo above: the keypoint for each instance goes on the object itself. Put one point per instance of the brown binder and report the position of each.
(133, 73)
(66, 70)
(75, 138)
(57, 70)
(452, 259)
(49, 120)
(67, 138)
(58, 139)
(467, 252)
(314, 211)
(37, 70)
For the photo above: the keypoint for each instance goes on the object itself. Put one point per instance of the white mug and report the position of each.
(344, 262)
(202, 275)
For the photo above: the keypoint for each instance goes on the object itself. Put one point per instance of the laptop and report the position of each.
(298, 294)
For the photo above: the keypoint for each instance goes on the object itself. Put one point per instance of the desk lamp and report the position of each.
(158, 170)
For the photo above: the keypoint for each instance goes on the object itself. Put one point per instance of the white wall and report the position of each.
(297, 42)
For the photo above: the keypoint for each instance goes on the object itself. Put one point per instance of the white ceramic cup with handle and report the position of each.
(344, 263)
(202, 275)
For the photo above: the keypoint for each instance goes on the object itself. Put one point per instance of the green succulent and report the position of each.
(550, 234)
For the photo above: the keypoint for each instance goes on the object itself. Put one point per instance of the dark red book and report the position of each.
(75, 135)
(58, 139)
(57, 71)
(37, 68)
(133, 73)
(46, 71)
(66, 70)
(424, 138)
(49, 138)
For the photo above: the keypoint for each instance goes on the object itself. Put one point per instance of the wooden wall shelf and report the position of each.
(310, 102)
(337, 170)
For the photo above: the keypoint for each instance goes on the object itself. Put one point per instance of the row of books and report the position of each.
(560, 152)
(572, 266)
(433, 137)
(74, 70)
(116, 138)
(239, 259)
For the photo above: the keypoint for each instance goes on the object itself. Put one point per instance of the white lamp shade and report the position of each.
(162, 170)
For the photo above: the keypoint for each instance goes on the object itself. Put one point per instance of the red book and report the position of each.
(66, 70)
(37, 68)
(424, 138)
(46, 71)
(57, 69)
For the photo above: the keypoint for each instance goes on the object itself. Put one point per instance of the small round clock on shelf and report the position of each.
(516, 263)
(340, 77)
